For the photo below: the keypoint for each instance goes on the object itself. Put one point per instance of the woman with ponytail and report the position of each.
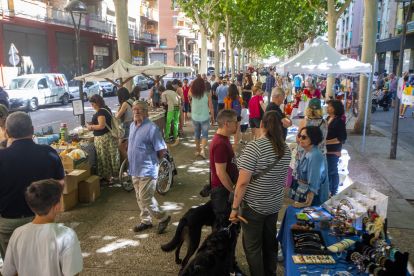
(259, 194)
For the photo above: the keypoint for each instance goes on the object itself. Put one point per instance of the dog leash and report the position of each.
(239, 217)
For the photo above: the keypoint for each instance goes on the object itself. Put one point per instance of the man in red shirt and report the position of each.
(222, 162)
(186, 108)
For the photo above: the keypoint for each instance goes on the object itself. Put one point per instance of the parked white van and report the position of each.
(30, 91)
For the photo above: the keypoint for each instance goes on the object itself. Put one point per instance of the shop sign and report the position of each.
(135, 53)
(100, 51)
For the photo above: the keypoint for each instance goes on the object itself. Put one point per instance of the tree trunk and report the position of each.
(239, 52)
(367, 56)
(243, 59)
(203, 63)
(216, 48)
(124, 48)
(227, 43)
(332, 20)
(300, 40)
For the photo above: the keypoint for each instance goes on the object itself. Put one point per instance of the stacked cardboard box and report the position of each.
(70, 193)
(89, 189)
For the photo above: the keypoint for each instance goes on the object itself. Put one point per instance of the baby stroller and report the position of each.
(380, 99)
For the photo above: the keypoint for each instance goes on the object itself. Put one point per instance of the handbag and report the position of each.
(255, 177)
(261, 109)
(298, 190)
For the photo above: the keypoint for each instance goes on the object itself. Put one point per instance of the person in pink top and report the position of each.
(255, 104)
(186, 108)
(314, 93)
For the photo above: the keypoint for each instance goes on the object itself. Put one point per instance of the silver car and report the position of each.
(141, 81)
(89, 88)
(108, 88)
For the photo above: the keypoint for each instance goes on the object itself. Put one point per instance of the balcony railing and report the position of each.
(149, 13)
(410, 27)
(154, 38)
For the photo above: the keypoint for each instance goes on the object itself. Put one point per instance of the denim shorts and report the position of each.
(393, 93)
(186, 107)
(126, 126)
(201, 127)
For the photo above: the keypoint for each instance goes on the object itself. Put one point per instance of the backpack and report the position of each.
(236, 105)
(117, 130)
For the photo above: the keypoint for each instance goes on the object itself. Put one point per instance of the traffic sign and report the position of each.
(179, 58)
(14, 60)
(13, 50)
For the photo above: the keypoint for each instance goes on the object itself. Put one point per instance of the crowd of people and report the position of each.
(257, 176)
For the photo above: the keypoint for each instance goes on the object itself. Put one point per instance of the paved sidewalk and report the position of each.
(110, 247)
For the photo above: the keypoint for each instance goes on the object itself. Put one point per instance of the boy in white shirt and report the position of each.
(42, 247)
(244, 124)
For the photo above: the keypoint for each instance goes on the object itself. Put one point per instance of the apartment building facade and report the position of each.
(348, 30)
(43, 34)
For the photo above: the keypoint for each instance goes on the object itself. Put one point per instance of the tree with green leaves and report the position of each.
(200, 11)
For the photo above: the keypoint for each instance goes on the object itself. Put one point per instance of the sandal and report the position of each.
(203, 155)
(105, 182)
(197, 153)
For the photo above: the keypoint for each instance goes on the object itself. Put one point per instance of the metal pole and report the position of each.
(366, 110)
(78, 61)
(394, 137)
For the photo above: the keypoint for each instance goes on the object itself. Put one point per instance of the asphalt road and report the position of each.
(384, 120)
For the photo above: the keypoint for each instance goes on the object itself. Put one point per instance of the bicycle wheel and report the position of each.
(165, 177)
(124, 178)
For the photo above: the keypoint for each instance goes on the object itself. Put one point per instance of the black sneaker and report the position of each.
(142, 226)
(163, 225)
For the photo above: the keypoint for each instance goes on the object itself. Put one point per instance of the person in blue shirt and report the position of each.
(145, 149)
(222, 93)
(313, 168)
(298, 83)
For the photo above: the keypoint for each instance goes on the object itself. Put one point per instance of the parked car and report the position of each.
(4, 97)
(210, 71)
(31, 91)
(108, 88)
(143, 82)
(89, 88)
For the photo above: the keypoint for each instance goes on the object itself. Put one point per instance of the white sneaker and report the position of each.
(215, 124)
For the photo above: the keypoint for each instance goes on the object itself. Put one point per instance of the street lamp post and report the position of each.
(222, 51)
(79, 8)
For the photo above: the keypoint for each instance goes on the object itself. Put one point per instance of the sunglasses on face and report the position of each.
(303, 137)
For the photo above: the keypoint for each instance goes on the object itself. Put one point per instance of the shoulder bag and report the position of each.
(255, 177)
(116, 130)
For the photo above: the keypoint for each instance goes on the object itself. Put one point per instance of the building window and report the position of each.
(163, 43)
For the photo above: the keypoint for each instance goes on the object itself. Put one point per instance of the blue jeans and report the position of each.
(215, 107)
(201, 127)
(333, 175)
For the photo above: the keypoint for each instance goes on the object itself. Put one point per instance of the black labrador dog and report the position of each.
(189, 228)
(215, 257)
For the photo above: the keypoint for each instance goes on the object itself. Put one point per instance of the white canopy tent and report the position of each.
(321, 59)
(122, 69)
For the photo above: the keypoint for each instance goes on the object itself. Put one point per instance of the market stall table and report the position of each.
(284, 238)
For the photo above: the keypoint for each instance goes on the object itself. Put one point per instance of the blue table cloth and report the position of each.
(287, 247)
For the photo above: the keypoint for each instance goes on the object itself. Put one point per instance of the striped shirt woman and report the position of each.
(261, 200)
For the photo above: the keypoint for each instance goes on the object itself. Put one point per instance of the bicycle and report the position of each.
(167, 170)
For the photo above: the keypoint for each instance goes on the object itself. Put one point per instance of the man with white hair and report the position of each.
(20, 165)
(278, 97)
(145, 149)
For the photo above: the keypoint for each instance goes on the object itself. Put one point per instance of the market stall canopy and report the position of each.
(126, 71)
(320, 58)
(119, 69)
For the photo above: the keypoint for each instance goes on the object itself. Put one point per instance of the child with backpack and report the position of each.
(235, 103)
(244, 124)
